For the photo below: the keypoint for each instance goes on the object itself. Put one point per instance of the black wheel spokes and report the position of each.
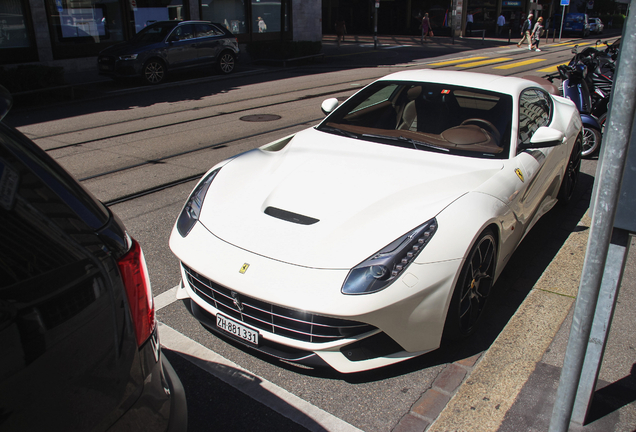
(477, 284)
(574, 167)
(154, 73)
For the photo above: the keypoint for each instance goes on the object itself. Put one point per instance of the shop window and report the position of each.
(146, 12)
(16, 34)
(83, 27)
(229, 13)
(266, 16)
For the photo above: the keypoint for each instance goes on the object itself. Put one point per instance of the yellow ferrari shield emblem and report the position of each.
(244, 268)
(519, 174)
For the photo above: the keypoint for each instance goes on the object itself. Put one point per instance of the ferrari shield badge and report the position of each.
(519, 174)
(244, 268)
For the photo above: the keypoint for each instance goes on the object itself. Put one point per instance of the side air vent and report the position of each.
(289, 216)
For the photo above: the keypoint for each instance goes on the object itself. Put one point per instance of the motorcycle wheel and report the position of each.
(591, 141)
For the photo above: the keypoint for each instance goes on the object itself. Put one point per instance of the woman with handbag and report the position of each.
(537, 32)
(426, 28)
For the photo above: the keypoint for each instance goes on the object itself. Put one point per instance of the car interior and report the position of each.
(449, 117)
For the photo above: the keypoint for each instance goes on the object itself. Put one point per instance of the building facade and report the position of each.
(70, 33)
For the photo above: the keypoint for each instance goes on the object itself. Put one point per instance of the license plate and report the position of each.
(234, 328)
(105, 67)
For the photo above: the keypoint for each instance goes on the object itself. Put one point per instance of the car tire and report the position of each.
(473, 288)
(571, 175)
(226, 62)
(154, 72)
(591, 141)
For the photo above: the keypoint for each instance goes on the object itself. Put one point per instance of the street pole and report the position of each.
(605, 197)
(562, 17)
(375, 25)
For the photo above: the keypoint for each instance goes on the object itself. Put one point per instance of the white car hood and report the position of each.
(364, 195)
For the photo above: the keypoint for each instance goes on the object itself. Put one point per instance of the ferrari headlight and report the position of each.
(384, 267)
(192, 209)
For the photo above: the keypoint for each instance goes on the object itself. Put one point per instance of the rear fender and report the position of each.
(590, 121)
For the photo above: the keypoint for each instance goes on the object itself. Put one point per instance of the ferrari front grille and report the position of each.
(291, 323)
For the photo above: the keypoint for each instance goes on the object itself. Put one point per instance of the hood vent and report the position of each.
(289, 216)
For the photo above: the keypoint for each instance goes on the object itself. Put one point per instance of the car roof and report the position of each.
(494, 83)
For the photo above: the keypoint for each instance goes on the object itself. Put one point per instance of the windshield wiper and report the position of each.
(413, 142)
(331, 129)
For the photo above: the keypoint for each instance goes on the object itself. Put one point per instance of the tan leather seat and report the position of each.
(409, 111)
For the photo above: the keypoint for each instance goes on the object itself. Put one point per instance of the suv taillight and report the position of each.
(135, 276)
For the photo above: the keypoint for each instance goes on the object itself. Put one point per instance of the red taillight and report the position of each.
(135, 275)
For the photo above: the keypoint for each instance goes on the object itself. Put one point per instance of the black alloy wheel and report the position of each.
(226, 62)
(473, 288)
(571, 175)
(154, 72)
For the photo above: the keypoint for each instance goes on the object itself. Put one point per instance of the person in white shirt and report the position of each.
(501, 21)
(469, 24)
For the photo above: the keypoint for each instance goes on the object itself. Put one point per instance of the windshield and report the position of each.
(427, 116)
(153, 33)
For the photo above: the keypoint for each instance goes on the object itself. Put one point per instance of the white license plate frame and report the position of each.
(237, 329)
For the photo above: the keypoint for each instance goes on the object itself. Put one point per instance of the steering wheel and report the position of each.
(491, 127)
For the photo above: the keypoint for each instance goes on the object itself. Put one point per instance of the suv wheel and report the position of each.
(226, 62)
(154, 72)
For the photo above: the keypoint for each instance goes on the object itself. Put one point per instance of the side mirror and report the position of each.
(328, 105)
(545, 137)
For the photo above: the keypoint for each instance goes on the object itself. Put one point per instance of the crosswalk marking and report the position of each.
(518, 64)
(572, 44)
(450, 62)
(484, 62)
(551, 68)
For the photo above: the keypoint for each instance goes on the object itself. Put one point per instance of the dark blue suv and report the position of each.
(168, 46)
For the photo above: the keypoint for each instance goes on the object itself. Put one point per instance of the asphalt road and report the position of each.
(142, 149)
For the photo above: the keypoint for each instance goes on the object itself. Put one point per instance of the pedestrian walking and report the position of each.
(469, 24)
(501, 21)
(262, 27)
(427, 30)
(341, 30)
(537, 32)
(525, 32)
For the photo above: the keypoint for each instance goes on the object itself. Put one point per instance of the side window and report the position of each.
(535, 110)
(184, 32)
(206, 30)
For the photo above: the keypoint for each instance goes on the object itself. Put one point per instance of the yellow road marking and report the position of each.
(444, 63)
(485, 62)
(551, 68)
(521, 63)
(572, 43)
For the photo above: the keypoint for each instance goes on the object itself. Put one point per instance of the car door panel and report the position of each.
(182, 48)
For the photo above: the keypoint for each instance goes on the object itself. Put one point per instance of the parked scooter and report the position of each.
(575, 88)
(601, 66)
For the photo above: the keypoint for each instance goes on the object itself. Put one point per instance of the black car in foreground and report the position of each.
(78, 334)
(168, 46)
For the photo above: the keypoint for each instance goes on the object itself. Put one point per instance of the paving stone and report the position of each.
(431, 404)
(410, 423)
(450, 378)
(470, 361)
